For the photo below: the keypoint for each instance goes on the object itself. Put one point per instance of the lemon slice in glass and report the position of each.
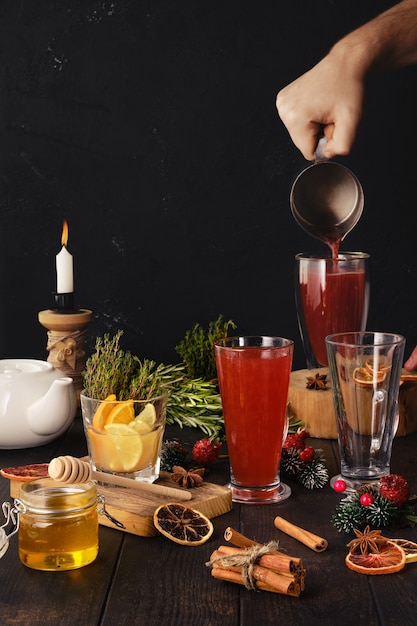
(128, 448)
(144, 422)
(148, 415)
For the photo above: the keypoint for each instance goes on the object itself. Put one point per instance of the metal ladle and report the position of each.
(326, 199)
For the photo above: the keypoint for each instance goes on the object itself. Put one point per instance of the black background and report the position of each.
(150, 126)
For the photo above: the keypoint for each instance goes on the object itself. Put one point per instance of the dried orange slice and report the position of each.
(182, 524)
(364, 377)
(390, 558)
(408, 376)
(25, 473)
(383, 365)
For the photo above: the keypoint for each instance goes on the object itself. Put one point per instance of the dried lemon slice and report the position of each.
(183, 524)
(409, 547)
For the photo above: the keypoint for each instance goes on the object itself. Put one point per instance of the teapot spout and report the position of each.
(54, 412)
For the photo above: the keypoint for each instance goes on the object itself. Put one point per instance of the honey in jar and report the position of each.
(58, 524)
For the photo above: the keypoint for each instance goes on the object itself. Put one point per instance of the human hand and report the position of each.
(411, 363)
(327, 99)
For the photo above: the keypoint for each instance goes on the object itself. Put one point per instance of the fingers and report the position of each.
(324, 99)
(304, 134)
(411, 363)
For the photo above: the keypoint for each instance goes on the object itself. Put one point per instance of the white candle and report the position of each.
(64, 266)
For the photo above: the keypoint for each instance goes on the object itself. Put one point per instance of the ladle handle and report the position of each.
(318, 155)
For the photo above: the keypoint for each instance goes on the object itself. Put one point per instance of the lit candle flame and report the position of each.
(64, 238)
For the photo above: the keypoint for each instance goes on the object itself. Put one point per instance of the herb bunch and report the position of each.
(193, 394)
(196, 349)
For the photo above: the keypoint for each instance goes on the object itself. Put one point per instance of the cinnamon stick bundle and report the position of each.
(233, 536)
(266, 569)
(277, 561)
(235, 576)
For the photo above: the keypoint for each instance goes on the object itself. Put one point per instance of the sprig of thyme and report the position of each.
(109, 369)
(196, 349)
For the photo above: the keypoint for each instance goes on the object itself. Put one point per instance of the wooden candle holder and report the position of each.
(66, 338)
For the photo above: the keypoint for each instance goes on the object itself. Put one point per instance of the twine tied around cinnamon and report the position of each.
(247, 561)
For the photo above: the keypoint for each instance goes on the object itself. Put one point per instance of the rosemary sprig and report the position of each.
(196, 403)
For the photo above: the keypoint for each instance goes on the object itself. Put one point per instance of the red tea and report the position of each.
(254, 387)
(333, 300)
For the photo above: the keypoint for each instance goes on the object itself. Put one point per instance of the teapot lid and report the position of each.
(11, 367)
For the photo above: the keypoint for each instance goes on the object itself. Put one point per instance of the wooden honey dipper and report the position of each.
(69, 469)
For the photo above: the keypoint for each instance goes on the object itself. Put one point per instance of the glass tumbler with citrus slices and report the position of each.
(125, 436)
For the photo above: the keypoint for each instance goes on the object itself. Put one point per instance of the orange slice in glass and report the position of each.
(389, 559)
(123, 412)
(365, 378)
(103, 411)
(382, 364)
(183, 524)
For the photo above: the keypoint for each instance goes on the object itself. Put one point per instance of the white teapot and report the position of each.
(37, 403)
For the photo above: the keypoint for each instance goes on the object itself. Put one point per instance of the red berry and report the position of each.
(296, 440)
(206, 451)
(394, 488)
(306, 454)
(366, 499)
(339, 485)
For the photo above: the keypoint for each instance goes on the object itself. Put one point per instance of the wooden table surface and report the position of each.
(153, 581)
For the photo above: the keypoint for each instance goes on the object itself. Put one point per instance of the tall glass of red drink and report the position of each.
(332, 296)
(254, 374)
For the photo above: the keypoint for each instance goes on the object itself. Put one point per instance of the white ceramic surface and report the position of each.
(37, 403)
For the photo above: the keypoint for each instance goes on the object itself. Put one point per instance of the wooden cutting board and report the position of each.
(135, 509)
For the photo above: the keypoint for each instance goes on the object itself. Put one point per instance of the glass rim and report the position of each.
(342, 256)
(286, 343)
(390, 339)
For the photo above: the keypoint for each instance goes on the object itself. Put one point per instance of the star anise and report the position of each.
(319, 381)
(367, 542)
(187, 478)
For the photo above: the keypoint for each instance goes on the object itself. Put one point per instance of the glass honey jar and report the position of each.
(58, 524)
